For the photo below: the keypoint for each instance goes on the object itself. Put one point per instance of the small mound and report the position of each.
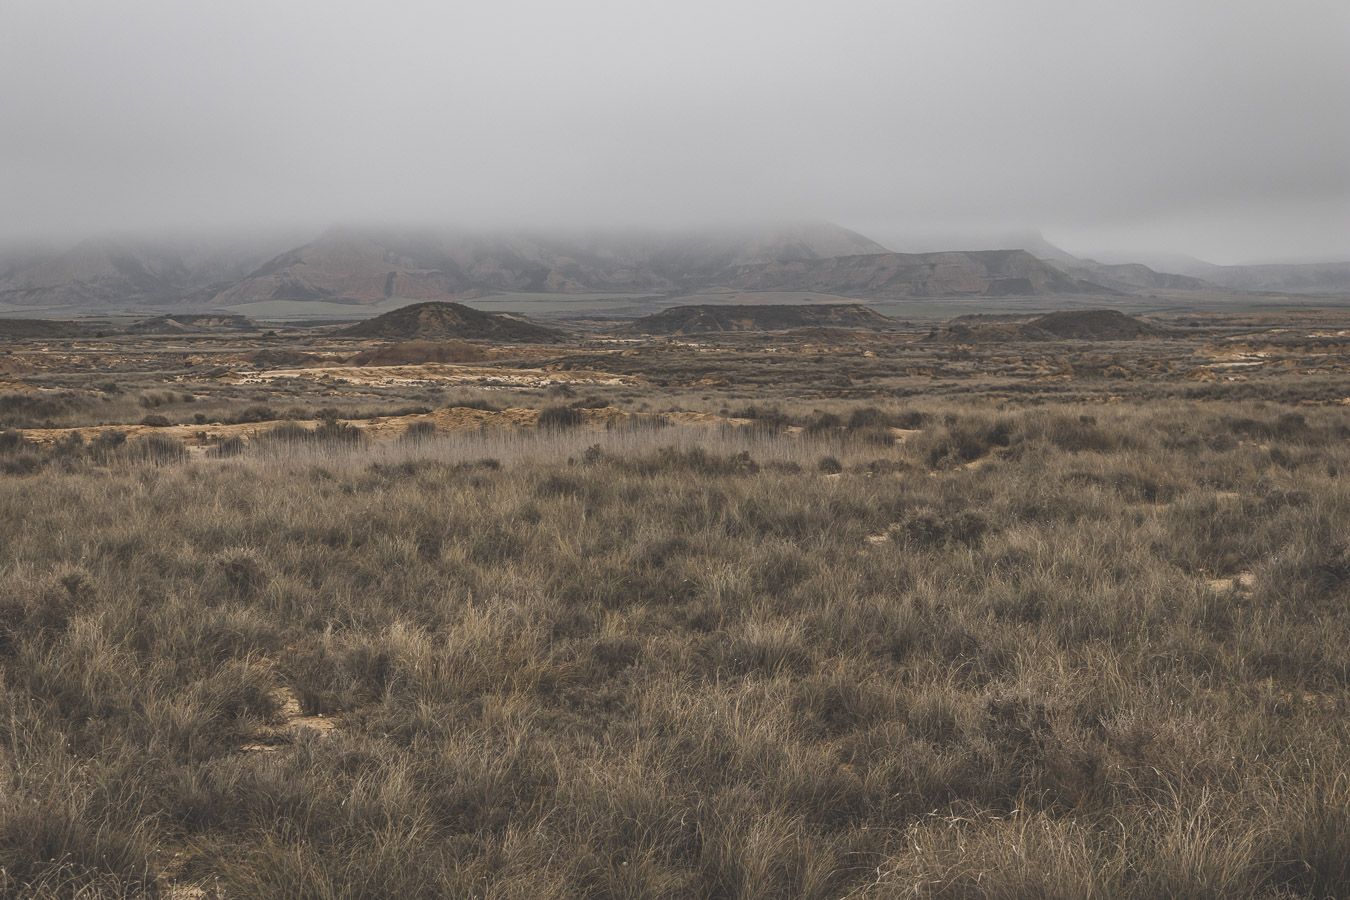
(437, 321)
(1095, 325)
(1069, 325)
(21, 329)
(711, 318)
(412, 353)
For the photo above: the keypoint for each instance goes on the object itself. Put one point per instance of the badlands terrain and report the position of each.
(723, 601)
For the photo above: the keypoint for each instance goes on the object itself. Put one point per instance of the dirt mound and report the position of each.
(441, 321)
(1073, 325)
(23, 329)
(708, 318)
(415, 353)
(1095, 325)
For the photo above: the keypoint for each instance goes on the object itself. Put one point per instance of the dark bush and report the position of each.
(823, 422)
(155, 420)
(231, 446)
(332, 431)
(156, 449)
(13, 441)
(107, 444)
(419, 431)
(927, 528)
(868, 417)
(558, 418)
(251, 414)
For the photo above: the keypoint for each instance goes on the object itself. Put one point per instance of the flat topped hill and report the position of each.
(191, 323)
(438, 321)
(703, 319)
(1070, 325)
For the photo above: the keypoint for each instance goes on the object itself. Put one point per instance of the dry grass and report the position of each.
(986, 661)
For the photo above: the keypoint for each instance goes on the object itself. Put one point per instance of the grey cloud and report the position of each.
(1219, 128)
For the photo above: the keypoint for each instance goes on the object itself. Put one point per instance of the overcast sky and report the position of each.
(1219, 128)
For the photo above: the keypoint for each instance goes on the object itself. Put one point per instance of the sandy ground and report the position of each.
(432, 373)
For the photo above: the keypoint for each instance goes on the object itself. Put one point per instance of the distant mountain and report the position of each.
(98, 273)
(976, 273)
(1279, 278)
(1294, 278)
(364, 266)
(1128, 277)
(450, 321)
(703, 319)
(124, 273)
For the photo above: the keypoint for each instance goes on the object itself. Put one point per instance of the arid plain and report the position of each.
(739, 604)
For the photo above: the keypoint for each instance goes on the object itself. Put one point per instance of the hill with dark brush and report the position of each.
(704, 319)
(1095, 325)
(451, 321)
(975, 273)
(1073, 325)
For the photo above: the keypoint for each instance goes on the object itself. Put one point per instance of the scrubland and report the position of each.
(1044, 649)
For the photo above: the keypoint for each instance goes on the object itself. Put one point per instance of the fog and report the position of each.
(1219, 128)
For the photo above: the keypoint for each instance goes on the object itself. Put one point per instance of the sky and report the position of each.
(1217, 128)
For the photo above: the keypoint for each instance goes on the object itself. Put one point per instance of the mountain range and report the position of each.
(366, 267)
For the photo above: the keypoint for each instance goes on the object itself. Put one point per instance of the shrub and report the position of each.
(964, 440)
(107, 444)
(419, 431)
(823, 422)
(155, 420)
(255, 413)
(332, 431)
(231, 446)
(154, 399)
(558, 418)
(868, 417)
(927, 528)
(13, 441)
(771, 417)
(157, 449)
